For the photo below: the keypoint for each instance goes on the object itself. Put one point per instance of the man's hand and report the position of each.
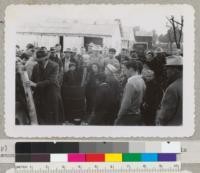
(158, 119)
(30, 84)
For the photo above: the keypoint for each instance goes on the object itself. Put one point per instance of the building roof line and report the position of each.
(66, 34)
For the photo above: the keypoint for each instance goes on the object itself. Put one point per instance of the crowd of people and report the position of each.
(98, 87)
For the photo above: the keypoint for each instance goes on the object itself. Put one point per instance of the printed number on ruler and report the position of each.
(150, 167)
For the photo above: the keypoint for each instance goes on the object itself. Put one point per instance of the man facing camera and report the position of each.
(130, 113)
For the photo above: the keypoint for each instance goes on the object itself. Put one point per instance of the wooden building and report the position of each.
(70, 35)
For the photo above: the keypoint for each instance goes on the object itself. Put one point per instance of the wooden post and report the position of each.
(84, 76)
(29, 97)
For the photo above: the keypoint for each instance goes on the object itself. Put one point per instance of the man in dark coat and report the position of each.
(102, 114)
(55, 59)
(112, 80)
(157, 64)
(73, 94)
(152, 97)
(46, 87)
(59, 52)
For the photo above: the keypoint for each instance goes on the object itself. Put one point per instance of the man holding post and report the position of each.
(46, 88)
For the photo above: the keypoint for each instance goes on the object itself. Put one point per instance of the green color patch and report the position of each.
(131, 157)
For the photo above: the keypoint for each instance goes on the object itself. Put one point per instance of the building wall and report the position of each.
(116, 39)
(71, 42)
(107, 42)
(38, 40)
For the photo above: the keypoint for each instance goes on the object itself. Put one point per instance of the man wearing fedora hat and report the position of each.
(67, 59)
(171, 104)
(46, 88)
(54, 58)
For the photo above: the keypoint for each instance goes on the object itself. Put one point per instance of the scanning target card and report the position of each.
(70, 72)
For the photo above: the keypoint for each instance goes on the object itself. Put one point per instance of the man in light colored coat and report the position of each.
(130, 113)
(170, 113)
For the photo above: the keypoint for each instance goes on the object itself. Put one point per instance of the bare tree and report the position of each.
(177, 28)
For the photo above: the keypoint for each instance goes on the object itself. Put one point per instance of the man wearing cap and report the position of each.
(111, 59)
(54, 58)
(46, 88)
(29, 52)
(130, 113)
(122, 56)
(29, 58)
(67, 59)
(158, 51)
(30, 49)
(133, 55)
(95, 56)
(171, 106)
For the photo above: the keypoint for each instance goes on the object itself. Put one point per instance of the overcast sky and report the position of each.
(148, 17)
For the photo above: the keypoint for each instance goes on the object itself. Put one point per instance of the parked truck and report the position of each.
(140, 48)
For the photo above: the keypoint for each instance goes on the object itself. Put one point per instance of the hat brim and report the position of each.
(43, 58)
(172, 65)
(111, 70)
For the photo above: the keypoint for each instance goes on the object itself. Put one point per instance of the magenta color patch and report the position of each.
(76, 157)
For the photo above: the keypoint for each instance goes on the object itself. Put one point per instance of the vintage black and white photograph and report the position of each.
(100, 65)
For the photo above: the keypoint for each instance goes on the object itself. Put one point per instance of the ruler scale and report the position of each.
(99, 168)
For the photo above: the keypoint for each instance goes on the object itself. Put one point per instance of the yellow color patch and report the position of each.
(113, 157)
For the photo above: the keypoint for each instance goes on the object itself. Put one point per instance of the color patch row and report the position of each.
(98, 157)
(98, 147)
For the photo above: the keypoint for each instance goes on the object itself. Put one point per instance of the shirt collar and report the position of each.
(45, 65)
(134, 76)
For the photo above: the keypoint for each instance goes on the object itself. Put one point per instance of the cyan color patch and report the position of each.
(149, 157)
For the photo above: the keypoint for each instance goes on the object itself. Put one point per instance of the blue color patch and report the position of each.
(149, 157)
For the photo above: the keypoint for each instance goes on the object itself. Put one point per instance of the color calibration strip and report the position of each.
(97, 152)
(98, 157)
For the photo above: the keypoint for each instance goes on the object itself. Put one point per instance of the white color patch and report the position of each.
(58, 158)
(170, 147)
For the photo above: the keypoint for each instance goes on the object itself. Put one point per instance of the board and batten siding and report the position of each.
(73, 42)
(36, 39)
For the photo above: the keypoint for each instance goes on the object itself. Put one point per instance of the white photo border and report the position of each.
(186, 130)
